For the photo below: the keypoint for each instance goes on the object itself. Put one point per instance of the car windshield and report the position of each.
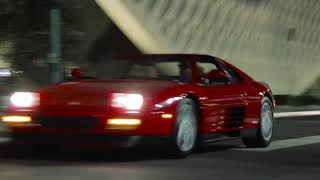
(167, 69)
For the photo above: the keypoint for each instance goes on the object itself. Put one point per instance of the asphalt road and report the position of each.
(224, 160)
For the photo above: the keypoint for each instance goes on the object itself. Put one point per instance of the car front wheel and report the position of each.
(186, 129)
(263, 136)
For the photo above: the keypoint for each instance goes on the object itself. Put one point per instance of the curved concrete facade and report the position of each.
(273, 41)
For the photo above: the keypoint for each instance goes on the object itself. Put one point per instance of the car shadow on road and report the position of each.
(55, 155)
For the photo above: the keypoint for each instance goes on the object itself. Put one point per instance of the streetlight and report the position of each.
(55, 43)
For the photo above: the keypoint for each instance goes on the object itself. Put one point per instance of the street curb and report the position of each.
(296, 114)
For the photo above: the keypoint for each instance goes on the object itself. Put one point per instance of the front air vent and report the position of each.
(68, 123)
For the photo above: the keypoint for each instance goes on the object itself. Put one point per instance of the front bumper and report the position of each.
(85, 140)
(90, 123)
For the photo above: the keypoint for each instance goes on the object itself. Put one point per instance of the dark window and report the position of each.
(291, 34)
(232, 74)
(168, 69)
(207, 65)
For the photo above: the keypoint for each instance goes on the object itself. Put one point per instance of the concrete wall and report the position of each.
(276, 41)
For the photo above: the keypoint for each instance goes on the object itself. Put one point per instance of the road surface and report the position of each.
(294, 154)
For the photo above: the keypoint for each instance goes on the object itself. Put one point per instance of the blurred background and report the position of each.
(273, 41)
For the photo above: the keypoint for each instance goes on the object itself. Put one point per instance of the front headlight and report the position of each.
(127, 101)
(24, 99)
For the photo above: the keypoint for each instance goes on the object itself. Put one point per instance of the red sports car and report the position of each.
(187, 99)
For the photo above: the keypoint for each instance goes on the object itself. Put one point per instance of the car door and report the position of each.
(224, 106)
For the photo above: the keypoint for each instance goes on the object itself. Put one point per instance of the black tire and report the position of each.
(184, 138)
(262, 138)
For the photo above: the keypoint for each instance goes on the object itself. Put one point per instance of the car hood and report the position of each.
(104, 87)
(86, 95)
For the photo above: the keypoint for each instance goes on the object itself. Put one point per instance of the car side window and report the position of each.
(207, 67)
(233, 76)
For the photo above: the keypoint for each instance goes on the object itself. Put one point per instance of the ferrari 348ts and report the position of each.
(187, 99)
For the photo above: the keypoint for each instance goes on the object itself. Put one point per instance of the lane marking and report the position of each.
(296, 114)
(287, 143)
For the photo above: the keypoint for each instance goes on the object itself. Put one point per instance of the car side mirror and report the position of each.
(76, 73)
(216, 77)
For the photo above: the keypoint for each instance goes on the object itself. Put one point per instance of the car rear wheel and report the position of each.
(263, 136)
(186, 129)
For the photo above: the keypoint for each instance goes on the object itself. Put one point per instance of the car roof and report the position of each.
(145, 56)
